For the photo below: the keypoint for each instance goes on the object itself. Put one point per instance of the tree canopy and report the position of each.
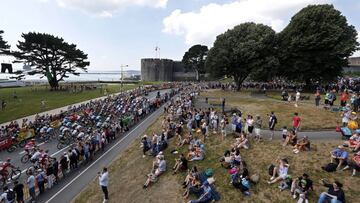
(241, 51)
(50, 56)
(194, 59)
(3, 44)
(316, 44)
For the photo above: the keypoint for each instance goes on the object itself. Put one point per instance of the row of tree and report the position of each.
(315, 46)
(50, 56)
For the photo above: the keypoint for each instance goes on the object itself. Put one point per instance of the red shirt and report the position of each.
(296, 121)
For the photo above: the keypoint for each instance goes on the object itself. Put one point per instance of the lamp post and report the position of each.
(122, 76)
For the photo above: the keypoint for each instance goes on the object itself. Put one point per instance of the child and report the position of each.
(285, 184)
(284, 132)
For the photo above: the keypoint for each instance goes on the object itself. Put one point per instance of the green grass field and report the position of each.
(29, 99)
(127, 173)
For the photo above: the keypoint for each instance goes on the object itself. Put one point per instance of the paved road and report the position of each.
(72, 185)
(51, 146)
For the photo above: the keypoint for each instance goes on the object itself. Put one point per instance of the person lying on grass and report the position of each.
(180, 164)
(279, 172)
(339, 156)
(291, 138)
(159, 167)
(302, 145)
(354, 141)
(301, 187)
(335, 194)
(354, 164)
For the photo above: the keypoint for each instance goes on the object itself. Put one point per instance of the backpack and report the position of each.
(330, 167)
(271, 169)
(10, 195)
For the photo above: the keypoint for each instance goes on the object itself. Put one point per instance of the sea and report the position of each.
(89, 76)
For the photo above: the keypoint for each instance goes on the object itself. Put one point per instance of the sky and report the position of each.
(121, 32)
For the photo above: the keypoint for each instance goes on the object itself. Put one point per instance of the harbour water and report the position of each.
(90, 76)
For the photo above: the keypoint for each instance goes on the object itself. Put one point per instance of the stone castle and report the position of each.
(153, 69)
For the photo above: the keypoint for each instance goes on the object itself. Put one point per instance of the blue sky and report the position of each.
(115, 32)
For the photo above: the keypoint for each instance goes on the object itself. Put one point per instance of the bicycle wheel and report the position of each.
(25, 158)
(11, 149)
(22, 143)
(15, 174)
(60, 145)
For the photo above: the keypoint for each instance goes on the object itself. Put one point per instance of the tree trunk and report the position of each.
(197, 75)
(238, 83)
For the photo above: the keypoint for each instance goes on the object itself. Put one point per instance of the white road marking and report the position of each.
(73, 180)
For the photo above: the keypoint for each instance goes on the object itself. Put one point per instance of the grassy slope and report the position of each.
(29, 99)
(127, 173)
(312, 117)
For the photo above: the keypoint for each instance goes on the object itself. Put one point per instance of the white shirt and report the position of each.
(104, 179)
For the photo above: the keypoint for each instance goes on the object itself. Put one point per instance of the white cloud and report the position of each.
(204, 25)
(106, 8)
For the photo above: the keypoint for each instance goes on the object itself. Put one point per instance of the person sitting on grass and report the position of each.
(354, 141)
(226, 160)
(159, 167)
(193, 186)
(339, 156)
(205, 196)
(242, 142)
(285, 184)
(291, 138)
(354, 164)
(334, 194)
(301, 186)
(196, 154)
(188, 138)
(191, 174)
(280, 172)
(236, 157)
(302, 145)
(180, 164)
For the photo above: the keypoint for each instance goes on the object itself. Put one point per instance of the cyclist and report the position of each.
(4, 168)
(35, 157)
(31, 145)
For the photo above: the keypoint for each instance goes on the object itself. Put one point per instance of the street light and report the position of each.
(122, 76)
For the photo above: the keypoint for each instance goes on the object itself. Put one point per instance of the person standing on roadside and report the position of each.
(31, 185)
(19, 191)
(296, 122)
(104, 181)
(272, 123)
(317, 98)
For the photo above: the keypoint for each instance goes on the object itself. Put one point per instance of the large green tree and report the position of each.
(194, 59)
(316, 44)
(50, 56)
(241, 51)
(4, 47)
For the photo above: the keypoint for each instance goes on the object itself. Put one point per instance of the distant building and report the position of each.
(354, 65)
(154, 69)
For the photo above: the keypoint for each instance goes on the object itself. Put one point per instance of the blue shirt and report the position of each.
(162, 166)
(340, 154)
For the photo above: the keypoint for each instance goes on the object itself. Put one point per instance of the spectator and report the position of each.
(296, 122)
(354, 164)
(19, 190)
(334, 194)
(104, 181)
(41, 180)
(257, 125)
(31, 185)
(8, 196)
(339, 156)
(272, 123)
